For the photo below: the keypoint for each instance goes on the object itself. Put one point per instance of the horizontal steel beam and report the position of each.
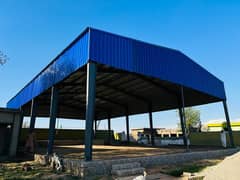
(159, 86)
(111, 101)
(127, 93)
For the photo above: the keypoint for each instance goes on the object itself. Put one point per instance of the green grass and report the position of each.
(177, 172)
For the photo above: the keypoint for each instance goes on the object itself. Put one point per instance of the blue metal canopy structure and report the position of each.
(101, 75)
(123, 54)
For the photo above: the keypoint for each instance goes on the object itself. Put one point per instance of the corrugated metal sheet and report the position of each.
(122, 53)
(70, 60)
(155, 61)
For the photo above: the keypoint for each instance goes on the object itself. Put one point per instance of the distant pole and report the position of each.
(109, 129)
(228, 123)
(151, 124)
(90, 109)
(127, 125)
(95, 128)
(183, 127)
(57, 123)
(183, 118)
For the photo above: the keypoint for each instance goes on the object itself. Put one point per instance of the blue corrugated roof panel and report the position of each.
(121, 53)
(152, 60)
(70, 60)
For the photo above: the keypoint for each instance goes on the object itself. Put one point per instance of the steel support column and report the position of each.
(21, 123)
(52, 120)
(151, 125)
(33, 115)
(127, 126)
(183, 119)
(109, 130)
(228, 123)
(183, 126)
(90, 109)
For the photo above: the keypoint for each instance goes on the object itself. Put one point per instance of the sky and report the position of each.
(32, 33)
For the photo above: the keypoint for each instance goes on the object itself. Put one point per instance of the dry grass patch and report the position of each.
(14, 171)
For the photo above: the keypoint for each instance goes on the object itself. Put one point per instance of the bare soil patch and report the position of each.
(117, 152)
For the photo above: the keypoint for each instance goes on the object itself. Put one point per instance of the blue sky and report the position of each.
(33, 32)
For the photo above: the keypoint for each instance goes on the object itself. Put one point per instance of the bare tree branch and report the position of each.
(3, 58)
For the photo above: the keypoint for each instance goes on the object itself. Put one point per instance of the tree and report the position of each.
(3, 58)
(192, 117)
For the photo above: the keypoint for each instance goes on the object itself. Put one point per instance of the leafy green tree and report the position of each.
(193, 121)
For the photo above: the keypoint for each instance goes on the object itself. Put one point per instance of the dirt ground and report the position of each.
(228, 169)
(113, 152)
(176, 172)
(13, 170)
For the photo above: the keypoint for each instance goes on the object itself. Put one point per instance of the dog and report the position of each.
(56, 162)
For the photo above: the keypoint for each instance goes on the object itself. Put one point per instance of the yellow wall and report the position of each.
(63, 134)
(212, 138)
(221, 126)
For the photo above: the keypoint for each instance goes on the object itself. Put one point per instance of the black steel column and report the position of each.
(90, 109)
(151, 124)
(127, 126)
(183, 126)
(33, 115)
(52, 120)
(228, 123)
(21, 123)
(183, 119)
(109, 130)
